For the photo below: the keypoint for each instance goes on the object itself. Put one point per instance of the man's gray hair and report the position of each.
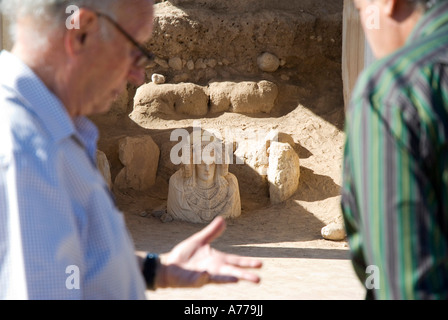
(51, 9)
(50, 14)
(427, 4)
(424, 4)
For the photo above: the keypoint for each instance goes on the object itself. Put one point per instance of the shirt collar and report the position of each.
(39, 100)
(434, 19)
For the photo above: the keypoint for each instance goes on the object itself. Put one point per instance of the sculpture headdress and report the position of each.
(206, 147)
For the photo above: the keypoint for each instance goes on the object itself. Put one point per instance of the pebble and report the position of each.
(200, 64)
(175, 63)
(190, 65)
(158, 78)
(161, 63)
(268, 62)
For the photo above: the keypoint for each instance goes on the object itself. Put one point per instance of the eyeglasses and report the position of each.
(142, 60)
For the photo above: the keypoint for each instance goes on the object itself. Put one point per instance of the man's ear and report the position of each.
(81, 25)
(390, 7)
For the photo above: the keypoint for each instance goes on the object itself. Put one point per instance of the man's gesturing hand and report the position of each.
(193, 263)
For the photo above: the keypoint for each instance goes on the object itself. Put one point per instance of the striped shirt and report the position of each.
(395, 172)
(61, 237)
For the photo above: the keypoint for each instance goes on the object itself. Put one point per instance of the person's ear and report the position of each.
(81, 25)
(390, 7)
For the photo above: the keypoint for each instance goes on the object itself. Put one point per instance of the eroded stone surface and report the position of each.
(200, 192)
(140, 157)
(243, 97)
(284, 171)
(104, 167)
(170, 99)
(188, 99)
(268, 62)
(271, 166)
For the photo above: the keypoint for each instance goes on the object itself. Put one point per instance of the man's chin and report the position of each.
(102, 108)
(106, 104)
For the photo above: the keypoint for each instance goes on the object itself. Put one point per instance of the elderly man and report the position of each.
(57, 219)
(395, 181)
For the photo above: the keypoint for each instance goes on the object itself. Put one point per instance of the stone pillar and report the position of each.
(5, 39)
(356, 53)
(1, 33)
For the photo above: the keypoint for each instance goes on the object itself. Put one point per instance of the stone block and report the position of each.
(243, 97)
(283, 172)
(170, 99)
(140, 157)
(104, 167)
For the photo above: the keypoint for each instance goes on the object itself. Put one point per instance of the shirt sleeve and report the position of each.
(351, 219)
(40, 252)
(389, 201)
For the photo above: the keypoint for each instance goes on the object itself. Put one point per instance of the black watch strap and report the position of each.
(149, 270)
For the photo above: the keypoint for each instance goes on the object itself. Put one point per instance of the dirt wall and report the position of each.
(223, 39)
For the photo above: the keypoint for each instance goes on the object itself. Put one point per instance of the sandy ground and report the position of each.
(298, 263)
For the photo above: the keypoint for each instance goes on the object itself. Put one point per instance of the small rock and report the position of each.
(144, 213)
(161, 62)
(334, 231)
(211, 63)
(183, 77)
(175, 63)
(190, 65)
(200, 64)
(158, 78)
(166, 217)
(159, 211)
(268, 62)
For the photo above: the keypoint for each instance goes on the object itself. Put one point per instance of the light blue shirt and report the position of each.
(61, 236)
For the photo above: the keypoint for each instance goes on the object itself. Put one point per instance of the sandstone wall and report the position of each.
(202, 40)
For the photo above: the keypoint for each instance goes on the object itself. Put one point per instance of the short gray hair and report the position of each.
(45, 9)
(426, 4)
(50, 13)
(423, 4)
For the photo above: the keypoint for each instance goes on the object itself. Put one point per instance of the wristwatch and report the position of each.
(149, 270)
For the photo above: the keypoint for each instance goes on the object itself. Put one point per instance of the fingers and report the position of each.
(221, 279)
(211, 232)
(251, 277)
(229, 274)
(234, 268)
(178, 277)
(189, 278)
(243, 262)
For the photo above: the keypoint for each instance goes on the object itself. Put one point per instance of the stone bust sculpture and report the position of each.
(200, 192)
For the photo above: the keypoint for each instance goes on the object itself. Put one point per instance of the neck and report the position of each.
(204, 184)
(409, 24)
(401, 28)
